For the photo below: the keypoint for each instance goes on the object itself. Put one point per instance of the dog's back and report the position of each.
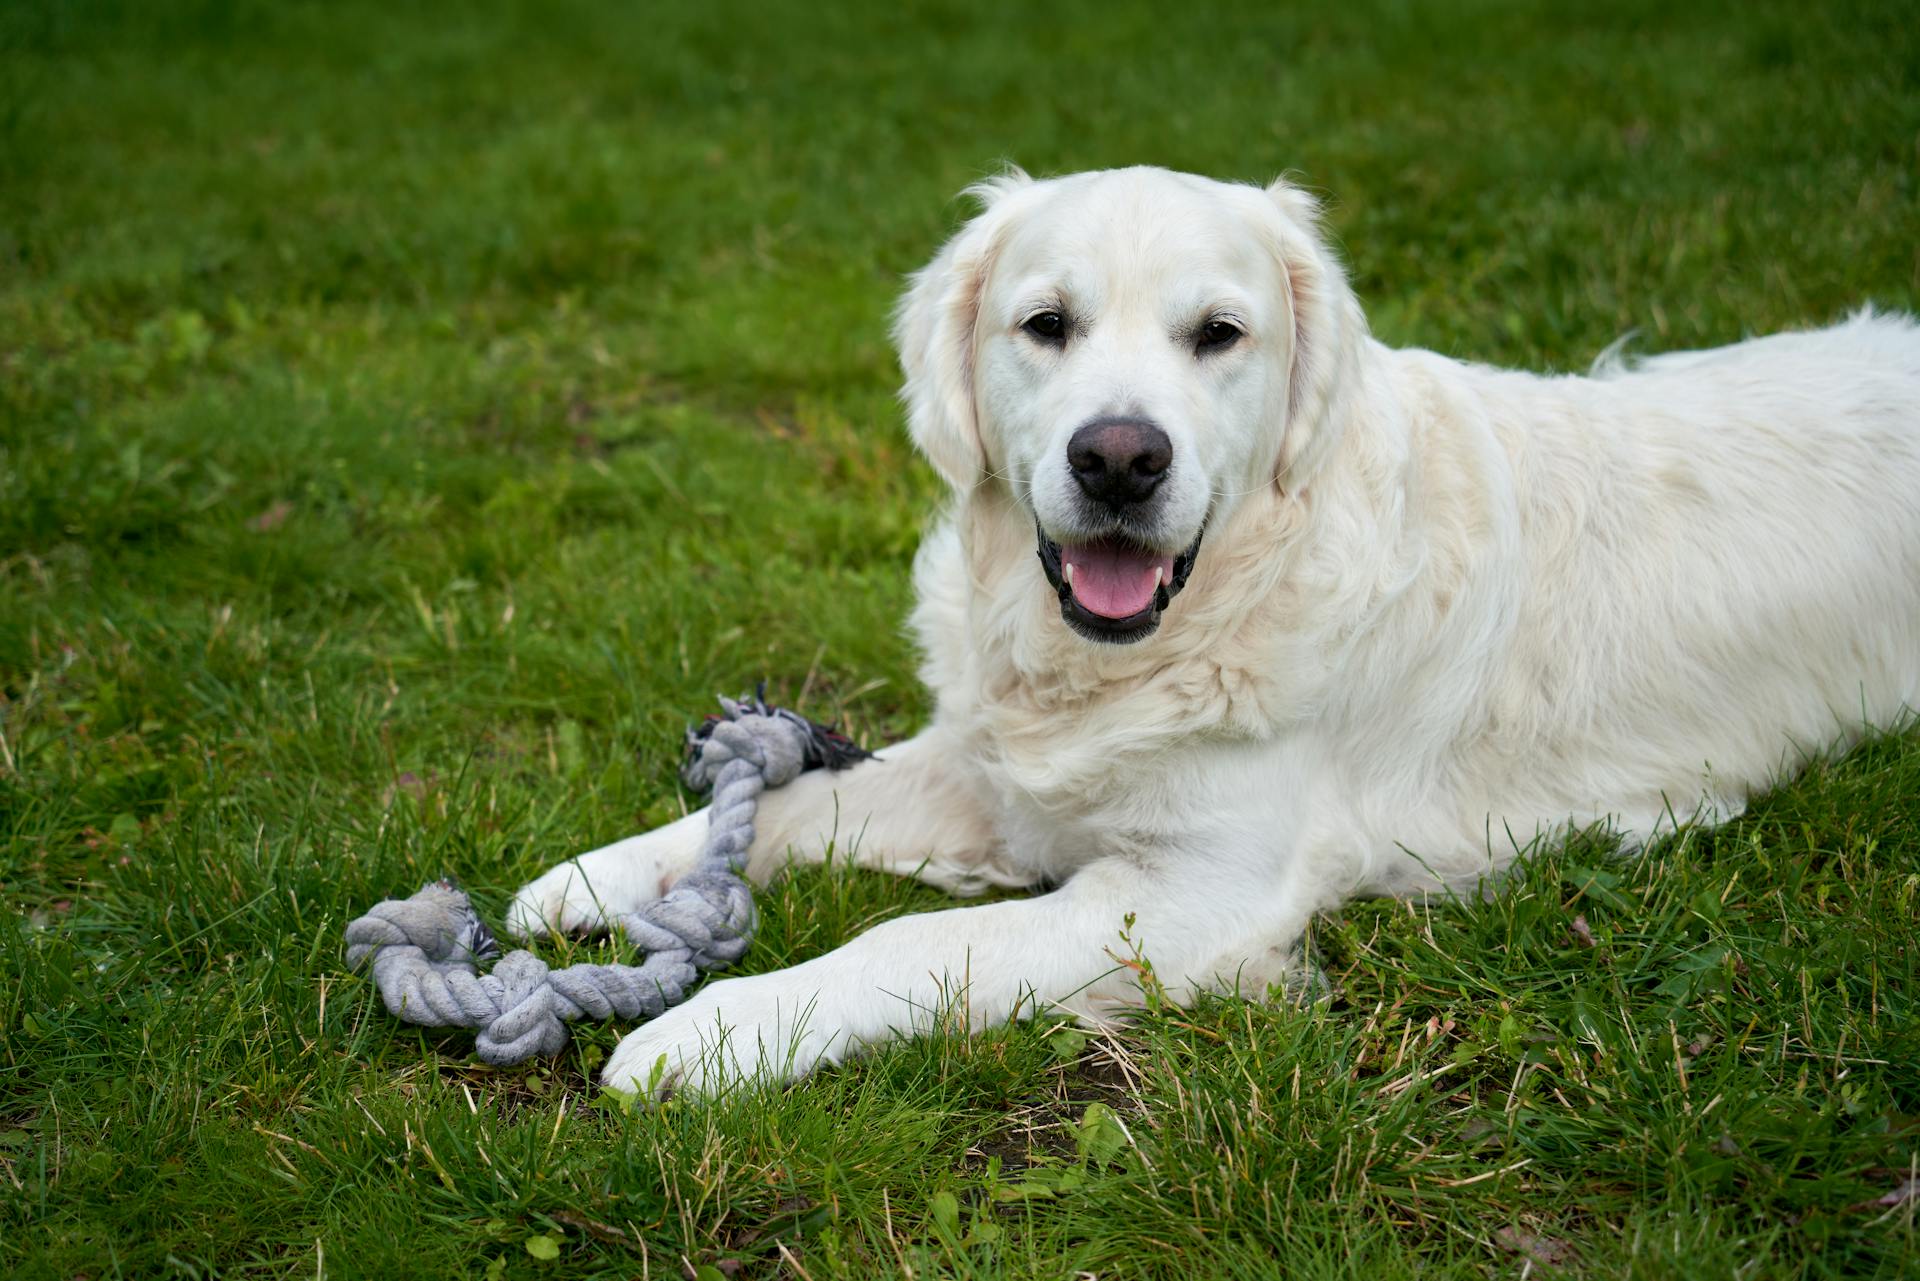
(1721, 556)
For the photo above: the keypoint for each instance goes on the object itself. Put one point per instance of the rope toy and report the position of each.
(426, 951)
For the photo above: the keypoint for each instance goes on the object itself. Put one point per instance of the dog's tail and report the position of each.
(1613, 359)
(1868, 330)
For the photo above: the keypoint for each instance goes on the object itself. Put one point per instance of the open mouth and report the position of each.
(1111, 589)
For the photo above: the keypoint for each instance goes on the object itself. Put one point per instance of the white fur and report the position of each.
(1441, 610)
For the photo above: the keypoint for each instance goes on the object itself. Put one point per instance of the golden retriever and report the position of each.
(1237, 612)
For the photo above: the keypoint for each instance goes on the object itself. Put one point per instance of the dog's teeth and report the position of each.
(1066, 572)
(1158, 574)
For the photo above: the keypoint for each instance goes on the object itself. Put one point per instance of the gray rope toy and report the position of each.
(426, 951)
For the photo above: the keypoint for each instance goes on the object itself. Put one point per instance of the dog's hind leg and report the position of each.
(915, 809)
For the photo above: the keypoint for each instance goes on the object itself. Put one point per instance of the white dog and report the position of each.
(1310, 618)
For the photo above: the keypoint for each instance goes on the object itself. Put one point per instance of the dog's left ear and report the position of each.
(934, 330)
(1328, 329)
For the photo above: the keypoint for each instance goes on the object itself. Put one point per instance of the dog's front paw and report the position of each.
(579, 897)
(760, 1030)
(583, 894)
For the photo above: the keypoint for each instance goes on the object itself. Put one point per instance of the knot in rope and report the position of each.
(425, 952)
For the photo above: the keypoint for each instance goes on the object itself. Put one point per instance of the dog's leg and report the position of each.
(916, 809)
(1079, 948)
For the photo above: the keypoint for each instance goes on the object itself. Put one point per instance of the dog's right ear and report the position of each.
(934, 330)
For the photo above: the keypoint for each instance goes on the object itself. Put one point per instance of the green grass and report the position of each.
(411, 414)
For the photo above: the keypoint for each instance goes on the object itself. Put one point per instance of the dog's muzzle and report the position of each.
(1122, 589)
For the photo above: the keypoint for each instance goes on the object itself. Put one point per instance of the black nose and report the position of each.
(1119, 460)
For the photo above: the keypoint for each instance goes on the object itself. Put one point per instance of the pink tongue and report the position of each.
(1114, 580)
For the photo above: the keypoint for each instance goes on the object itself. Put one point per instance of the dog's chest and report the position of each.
(1114, 775)
(1052, 821)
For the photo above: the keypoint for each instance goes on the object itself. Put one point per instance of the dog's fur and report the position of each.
(1440, 610)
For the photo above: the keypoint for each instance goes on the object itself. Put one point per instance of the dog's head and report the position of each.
(1131, 353)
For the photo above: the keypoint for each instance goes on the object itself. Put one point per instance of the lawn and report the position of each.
(411, 415)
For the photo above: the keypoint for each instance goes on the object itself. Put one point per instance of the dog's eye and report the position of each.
(1047, 326)
(1216, 335)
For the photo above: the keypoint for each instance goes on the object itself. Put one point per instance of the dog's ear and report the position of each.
(1328, 330)
(934, 330)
